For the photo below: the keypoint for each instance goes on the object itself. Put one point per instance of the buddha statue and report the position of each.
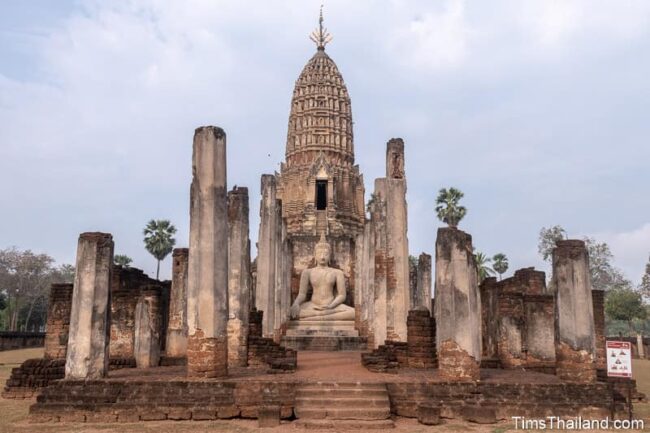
(326, 282)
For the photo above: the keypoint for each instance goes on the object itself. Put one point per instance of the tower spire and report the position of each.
(321, 36)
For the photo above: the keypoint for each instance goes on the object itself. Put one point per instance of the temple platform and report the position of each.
(320, 335)
(326, 385)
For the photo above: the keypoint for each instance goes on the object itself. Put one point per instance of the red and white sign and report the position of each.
(619, 359)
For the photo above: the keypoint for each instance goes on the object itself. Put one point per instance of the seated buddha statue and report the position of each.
(328, 290)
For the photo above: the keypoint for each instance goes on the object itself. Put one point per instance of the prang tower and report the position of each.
(320, 191)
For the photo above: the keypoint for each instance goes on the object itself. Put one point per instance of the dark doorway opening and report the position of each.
(321, 194)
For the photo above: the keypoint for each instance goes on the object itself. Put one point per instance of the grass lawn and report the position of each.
(13, 413)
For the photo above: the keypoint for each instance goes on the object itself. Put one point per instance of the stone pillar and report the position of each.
(598, 300)
(382, 264)
(457, 306)
(87, 353)
(266, 250)
(423, 293)
(575, 342)
(489, 318)
(639, 345)
(176, 346)
(396, 229)
(207, 283)
(148, 323)
(365, 284)
(58, 321)
(238, 277)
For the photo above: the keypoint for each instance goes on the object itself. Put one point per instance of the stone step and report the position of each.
(342, 414)
(336, 401)
(344, 425)
(314, 391)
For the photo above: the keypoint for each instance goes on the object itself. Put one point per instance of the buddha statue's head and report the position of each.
(322, 251)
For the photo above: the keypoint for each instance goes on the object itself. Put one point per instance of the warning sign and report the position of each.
(619, 359)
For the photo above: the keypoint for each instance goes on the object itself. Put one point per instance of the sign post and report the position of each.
(619, 359)
(619, 364)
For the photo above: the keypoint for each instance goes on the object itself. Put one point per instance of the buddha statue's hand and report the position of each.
(294, 311)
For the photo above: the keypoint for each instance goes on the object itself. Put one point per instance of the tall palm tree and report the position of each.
(482, 266)
(500, 264)
(159, 240)
(447, 207)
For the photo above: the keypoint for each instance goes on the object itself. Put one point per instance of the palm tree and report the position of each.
(447, 207)
(159, 240)
(122, 260)
(500, 264)
(482, 267)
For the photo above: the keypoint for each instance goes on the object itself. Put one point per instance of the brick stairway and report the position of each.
(343, 406)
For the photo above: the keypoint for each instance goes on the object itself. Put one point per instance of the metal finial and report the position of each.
(321, 36)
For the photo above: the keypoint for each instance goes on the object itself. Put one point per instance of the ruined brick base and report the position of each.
(455, 364)
(387, 358)
(264, 352)
(574, 365)
(132, 400)
(421, 339)
(207, 357)
(35, 374)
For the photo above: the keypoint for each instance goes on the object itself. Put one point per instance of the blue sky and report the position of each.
(537, 110)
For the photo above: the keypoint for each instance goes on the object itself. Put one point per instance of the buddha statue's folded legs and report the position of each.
(308, 310)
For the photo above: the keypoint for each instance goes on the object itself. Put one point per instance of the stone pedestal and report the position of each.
(87, 353)
(58, 321)
(207, 286)
(239, 281)
(457, 307)
(147, 328)
(176, 346)
(575, 342)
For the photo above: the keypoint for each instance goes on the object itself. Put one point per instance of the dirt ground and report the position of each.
(14, 419)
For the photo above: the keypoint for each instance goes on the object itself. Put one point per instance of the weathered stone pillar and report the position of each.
(382, 264)
(266, 251)
(148, 323)
(238, 277)
(396, 229)
(423, 287)
(207, 284)
(58, 321)
(639, 346)
(598, 300)
(176, 346)
(457, 306)
(87, 353)
(489, 318)
(575, 342)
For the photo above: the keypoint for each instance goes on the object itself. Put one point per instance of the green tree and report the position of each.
(159, 240)
(626, 305)
(500, 264)
(122, 260)
(448, 209)
(482, 266)
(644, 287)
(547, 240)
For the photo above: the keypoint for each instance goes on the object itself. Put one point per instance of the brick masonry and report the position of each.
(419, 351)
(58, 321)
(138, 400)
